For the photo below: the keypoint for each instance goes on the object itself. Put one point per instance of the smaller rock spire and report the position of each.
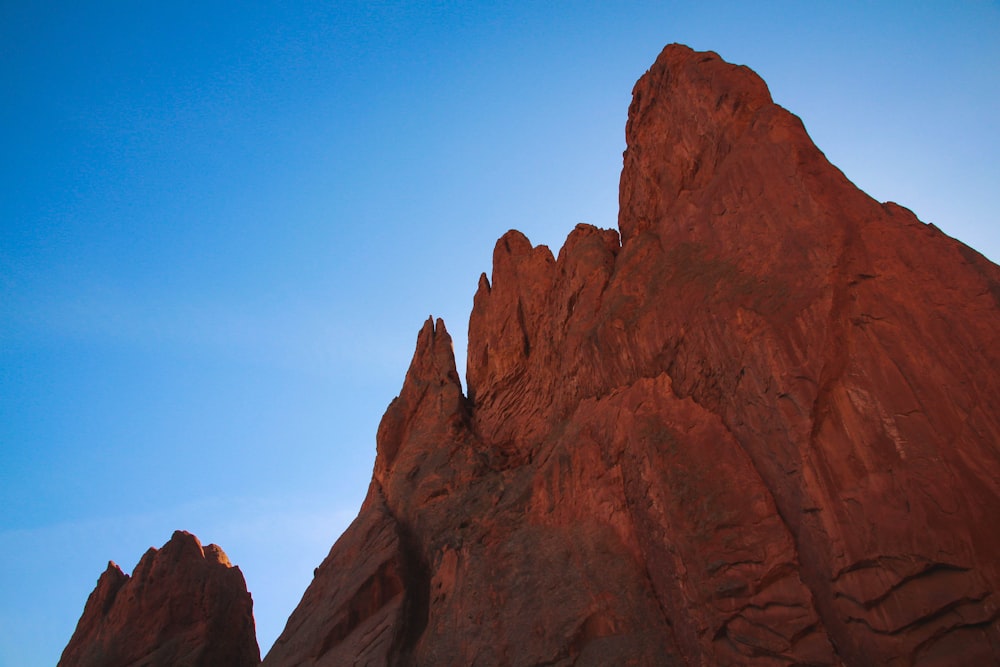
(432, 388)
(183, 604)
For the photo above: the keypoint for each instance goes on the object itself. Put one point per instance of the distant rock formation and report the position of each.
(759, 428)
(184, 605)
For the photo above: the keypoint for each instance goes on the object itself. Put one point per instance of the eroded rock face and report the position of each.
(184, 605)
(758, 428)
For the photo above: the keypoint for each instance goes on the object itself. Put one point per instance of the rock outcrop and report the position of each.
(758, 427)
(755, 426)
(183, 606)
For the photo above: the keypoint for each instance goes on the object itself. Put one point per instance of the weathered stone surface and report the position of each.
(760, 429)
(184, 605)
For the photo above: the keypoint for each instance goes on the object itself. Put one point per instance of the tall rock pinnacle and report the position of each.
(184, 605)
(754, 429)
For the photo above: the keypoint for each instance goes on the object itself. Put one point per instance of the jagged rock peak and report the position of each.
(432, 387)
(751, 431)
(699, 126)
(183, 605)
(434, 357)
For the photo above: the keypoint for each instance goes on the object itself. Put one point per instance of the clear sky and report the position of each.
(222, 225)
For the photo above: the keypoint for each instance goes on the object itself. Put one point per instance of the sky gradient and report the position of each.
(223, 224)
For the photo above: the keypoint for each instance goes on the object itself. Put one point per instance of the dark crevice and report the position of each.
(526, 341)
(930, 570)
(927, 645)
(416, 603)
(376, 591)
(922, 620)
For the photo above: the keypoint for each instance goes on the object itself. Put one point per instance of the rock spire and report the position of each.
(184, 606)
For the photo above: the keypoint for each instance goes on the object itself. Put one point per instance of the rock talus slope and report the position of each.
(758, 427)
(184, 606)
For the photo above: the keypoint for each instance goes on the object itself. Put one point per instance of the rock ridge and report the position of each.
(746, 428)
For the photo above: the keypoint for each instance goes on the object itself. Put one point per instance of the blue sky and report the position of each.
(223, 224)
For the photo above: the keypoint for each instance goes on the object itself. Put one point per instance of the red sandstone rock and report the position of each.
(761, 430)
(184, 605)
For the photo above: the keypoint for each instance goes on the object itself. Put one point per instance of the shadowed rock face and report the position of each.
(757, 428)
(184, 605)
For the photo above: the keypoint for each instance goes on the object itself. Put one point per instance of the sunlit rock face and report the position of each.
(184, 605)
(756, 425)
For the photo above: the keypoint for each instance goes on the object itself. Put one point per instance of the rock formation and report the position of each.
(183, 606)
(755, 426)
(758, 427)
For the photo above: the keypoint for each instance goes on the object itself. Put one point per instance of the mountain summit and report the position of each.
(757, 425)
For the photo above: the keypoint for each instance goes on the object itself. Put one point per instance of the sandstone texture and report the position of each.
(757, 425)
(184, 606)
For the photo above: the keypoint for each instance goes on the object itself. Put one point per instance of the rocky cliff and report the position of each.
(757, 426)
(184, 606)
